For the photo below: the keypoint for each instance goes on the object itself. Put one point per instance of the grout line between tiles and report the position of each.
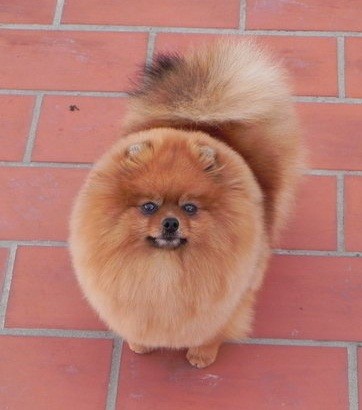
(9, 244)
(150, 47)
(121, 94)
(306, 33)
(341, 67)
(33, 128)
(353, 377)
(340, 213)
(111, 94)
(114, 374)
(327, 100)
(332, 172)
(293, 252)
(302, 252)
(98, 334)
(36, 164)
(79, 334)
(242, 15)
(297, 342)
(186, 30)
(58, 12)
(7, 284)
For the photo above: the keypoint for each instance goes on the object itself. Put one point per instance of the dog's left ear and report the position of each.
(138, 151)
(137, 154)
(207, 157)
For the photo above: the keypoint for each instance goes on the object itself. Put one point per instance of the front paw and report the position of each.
(201, 357)
(140, 349)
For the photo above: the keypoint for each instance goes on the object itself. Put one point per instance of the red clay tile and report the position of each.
(51, 373)
(333, 134)
(25, 11)
(333, 15)
(353, 213)
(312, 61)
(15, 118)
(68, 60)
(353, 73)
(51, 299)
(186, 13)
(306, 297)
(4, 253)
(36, 202)
(312, 224)
(243, 377)
(81, 135)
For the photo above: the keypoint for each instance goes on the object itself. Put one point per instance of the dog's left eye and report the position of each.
(149, 208)
(190, 209)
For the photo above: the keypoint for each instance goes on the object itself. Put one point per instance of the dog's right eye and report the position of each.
(149, 208)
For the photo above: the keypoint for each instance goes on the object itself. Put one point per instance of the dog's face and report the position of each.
(176, 193)
(173, 192)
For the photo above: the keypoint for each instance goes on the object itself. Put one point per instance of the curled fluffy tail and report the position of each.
(227, 81)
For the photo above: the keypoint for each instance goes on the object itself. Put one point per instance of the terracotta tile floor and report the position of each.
(65, 67)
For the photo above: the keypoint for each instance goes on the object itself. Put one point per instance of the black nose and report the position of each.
(170, 225)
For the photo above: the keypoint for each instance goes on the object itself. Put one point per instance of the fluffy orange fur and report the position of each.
(215, 128)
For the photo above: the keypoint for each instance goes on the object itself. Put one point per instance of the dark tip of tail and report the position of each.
(162, 65)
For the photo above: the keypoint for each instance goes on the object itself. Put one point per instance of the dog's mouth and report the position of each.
(166, 242)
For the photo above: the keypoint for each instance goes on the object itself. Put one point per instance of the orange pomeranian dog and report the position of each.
(171, 232)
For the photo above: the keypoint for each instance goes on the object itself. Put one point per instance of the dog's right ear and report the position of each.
(207, 157)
